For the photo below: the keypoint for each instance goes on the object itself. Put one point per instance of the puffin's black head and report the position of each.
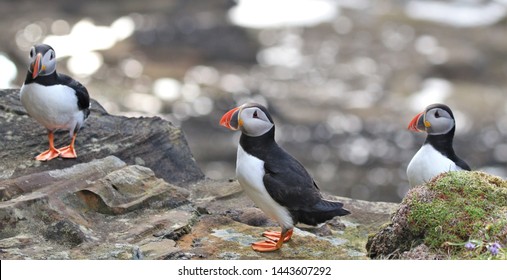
(253, 119)
(437, 119)
(42, 60)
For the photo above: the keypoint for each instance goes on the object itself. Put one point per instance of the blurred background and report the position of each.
(342, 78)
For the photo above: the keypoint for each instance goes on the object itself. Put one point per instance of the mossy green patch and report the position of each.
(461, 206)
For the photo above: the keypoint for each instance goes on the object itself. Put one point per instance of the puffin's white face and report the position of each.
(42, 61)
(253, 119)
(437, 119)
(254, 122)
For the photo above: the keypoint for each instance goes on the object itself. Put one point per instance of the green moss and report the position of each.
(460, 206)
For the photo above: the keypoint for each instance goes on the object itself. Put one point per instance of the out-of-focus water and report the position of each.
(341, 78)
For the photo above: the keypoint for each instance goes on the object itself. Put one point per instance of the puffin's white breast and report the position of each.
(428, 163)
(54, 106)
(250, 173)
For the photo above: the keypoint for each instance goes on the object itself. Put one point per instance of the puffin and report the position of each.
(436, 155)
(277, 183)
(56, 101)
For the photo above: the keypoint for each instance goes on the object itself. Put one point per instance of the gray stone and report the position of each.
(233, 223)
(65, 232)
(97, 210)
(154, 142)
(159, 250)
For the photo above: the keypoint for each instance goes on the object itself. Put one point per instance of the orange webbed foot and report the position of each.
(67, 152)
(48, 155)
(51, 153)
(266, 246)
(275, 235)
(274, 242)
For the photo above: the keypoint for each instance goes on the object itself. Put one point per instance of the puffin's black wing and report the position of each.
(461, 163)
(288, 182)
(83, 98)
(290, 185)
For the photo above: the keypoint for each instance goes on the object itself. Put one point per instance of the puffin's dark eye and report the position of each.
(52, 55)
(255, 114)
(32, 52)
(437, 115)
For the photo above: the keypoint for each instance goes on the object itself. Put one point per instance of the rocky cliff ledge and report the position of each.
(151, 142)
(135, 192)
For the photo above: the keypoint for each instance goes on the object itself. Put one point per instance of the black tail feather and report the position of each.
(323, 211)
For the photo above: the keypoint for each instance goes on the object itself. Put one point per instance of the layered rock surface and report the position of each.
(135, 192)
(151, 142)
(103, 209)
(106, 209)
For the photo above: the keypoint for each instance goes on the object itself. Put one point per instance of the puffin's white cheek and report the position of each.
(440, 126)
(256, 127)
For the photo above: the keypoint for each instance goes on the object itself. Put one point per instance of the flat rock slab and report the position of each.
(151, 142)
(104, 209)
(230, 222)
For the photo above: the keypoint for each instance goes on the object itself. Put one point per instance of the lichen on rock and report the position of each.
(443, 215)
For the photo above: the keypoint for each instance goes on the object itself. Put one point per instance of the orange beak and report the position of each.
(36, 66)
(417, 123)
(230, 119)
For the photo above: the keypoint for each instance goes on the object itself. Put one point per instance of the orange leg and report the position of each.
(69, 151)
(52, 152)
(272, 245)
